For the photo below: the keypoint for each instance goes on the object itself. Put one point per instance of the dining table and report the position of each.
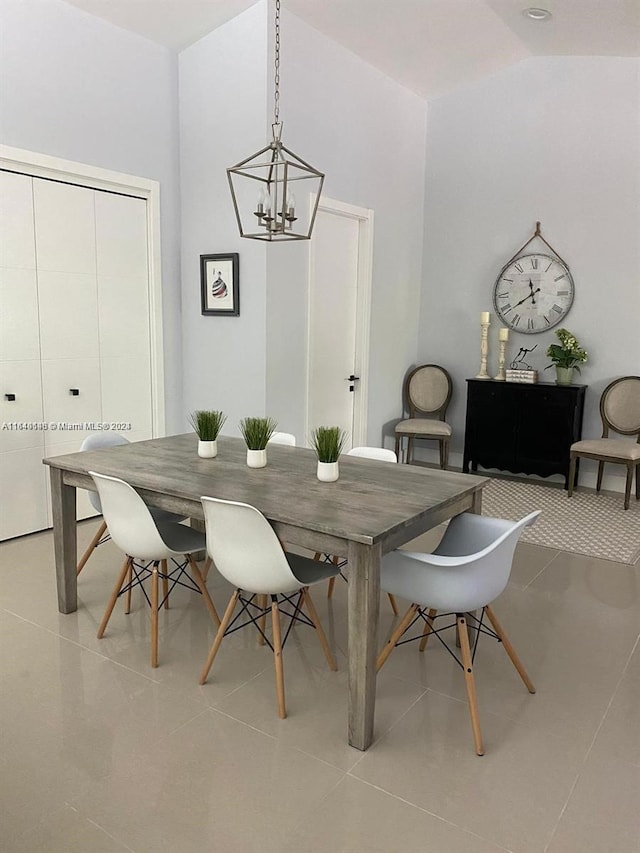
(373, 508)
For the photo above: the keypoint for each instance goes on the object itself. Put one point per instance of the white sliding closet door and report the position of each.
(74, 332)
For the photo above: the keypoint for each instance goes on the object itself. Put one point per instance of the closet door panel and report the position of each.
(22, 492)
(59, 376)
(68, 315)
(19, 337)
(21, 378)
(17, 245)
(126, 394)
(121, 235)
(123, 314)
(65, 227)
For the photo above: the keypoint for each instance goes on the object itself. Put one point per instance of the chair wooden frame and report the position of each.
(415, 412)
(633, 465)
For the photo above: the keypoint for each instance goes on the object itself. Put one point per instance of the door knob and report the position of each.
(10, 397)
(74, 392)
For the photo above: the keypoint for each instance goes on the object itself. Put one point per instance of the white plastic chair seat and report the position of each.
(381, 454)
(286, 438)
(308, 571)
(618, 447)
(423, 426)
(178, 539)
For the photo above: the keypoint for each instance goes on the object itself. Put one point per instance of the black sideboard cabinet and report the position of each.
(522, 428)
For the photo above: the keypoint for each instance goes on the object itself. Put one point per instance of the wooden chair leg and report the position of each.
(205, 569)
(409, 458)
(127, 596)
(332, 583)
(154, 615)
(627, 490)
(262, 622)
(600, 473)
(165, 583)
(506, 642)
(401, 627)
(197, 576)
(91, 547)
(638, 482)
(213, 651)
(126, 568)
(428, 628)
(398, 447)
(441, 445)
(446, 455)
(277, 657)
(393, 603)
(572, 475)
(470, 682)
(307, 600)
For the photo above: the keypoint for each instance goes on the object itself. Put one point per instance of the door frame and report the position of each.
(364, 218)
(45, 166)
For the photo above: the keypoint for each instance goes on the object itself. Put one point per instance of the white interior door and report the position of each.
(339, 283)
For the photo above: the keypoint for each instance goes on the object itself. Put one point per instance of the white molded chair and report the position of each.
(466, 572)
(381, 454)
(247, 552)
(283, 438)
(136, 532)
(99, 441)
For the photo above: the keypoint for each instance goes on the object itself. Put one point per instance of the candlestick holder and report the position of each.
(501, 375)
(484, 351)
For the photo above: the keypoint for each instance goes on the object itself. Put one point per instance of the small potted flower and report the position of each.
(328, 443)
(256, 433)
(565, 356)
(207, 425)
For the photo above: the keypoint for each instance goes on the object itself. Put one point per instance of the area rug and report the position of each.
(587, 523)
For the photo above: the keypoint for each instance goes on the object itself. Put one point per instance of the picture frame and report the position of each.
(220, 285)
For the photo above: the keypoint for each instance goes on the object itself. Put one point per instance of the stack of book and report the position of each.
(529, 376)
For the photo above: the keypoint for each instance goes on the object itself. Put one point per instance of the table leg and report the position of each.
(364, 606)
(65, 546)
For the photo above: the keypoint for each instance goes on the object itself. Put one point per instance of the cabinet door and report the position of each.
(22, 379)
(17, 244)
(545, 431)
(22, 492)
(59, 377)
(491, 426)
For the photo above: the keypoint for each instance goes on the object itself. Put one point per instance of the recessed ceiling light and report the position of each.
(537, 14)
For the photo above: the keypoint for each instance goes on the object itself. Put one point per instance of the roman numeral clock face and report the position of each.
(533, 293)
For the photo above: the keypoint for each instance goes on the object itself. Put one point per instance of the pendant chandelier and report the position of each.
(262, 186)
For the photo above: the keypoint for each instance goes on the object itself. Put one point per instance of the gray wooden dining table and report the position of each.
(371, 509)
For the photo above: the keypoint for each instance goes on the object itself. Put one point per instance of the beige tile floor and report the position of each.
(102, 754)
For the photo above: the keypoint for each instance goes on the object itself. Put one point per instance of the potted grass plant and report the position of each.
(207, 425)
(328, 443)
(256, 433)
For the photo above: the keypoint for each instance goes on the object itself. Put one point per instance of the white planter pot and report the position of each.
(328, 472)
(256, 458)
(207, 449)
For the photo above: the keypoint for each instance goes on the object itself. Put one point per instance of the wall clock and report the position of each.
(533, 292)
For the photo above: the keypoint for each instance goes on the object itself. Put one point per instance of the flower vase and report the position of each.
(564, 375)
(207, 449)
(328, 472)
(256, 458)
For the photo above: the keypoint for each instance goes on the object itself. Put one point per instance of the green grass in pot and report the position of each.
(257, 432)
(328, 443)
(207, 424)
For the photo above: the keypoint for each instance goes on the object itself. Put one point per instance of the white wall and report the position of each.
(222, 120)
(555, 140)
(367, 133)
(76, 87)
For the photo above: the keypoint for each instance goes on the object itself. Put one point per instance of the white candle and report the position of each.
(485, 317)
(503, 334)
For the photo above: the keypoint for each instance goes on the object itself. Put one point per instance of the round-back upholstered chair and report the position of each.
(620, 412)
(427, 392)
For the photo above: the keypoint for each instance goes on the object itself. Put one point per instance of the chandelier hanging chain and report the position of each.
(276, 94)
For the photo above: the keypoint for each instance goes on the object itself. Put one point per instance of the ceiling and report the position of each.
(430, 46)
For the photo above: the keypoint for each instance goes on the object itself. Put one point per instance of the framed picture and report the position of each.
(220, 284)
